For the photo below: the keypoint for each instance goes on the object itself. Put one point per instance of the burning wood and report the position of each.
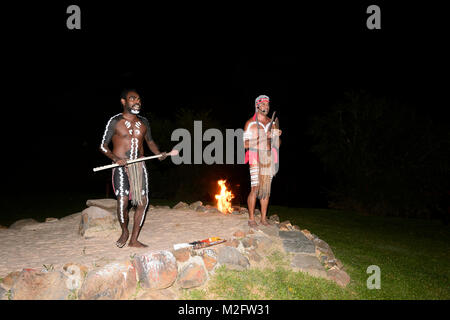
(224, 198)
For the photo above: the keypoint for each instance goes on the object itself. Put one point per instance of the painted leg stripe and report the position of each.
(121, 194)
(146, 189)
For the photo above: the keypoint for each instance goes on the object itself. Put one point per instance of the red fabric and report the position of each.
(261, 100)
(252, 156)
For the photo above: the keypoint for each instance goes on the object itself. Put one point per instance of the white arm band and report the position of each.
(248, 135)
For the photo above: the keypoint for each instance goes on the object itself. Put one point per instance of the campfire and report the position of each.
(224, 198)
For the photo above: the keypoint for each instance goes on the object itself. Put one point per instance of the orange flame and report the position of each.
(224, 198)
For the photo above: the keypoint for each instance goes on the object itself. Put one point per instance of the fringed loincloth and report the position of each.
(262, 172)
(131, 181)
(265, 174)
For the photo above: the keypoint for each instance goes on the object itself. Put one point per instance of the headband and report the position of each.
(260, 99)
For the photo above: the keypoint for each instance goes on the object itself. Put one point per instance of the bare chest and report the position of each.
(259, 127)
(130, 129)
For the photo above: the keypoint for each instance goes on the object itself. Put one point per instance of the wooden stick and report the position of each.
(271, 121)
(171, 153)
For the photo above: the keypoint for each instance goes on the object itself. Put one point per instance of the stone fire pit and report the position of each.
(76, 258)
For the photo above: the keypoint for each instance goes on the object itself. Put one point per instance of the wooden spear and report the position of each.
(171, 153)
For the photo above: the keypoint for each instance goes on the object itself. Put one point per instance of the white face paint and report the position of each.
(134, 111)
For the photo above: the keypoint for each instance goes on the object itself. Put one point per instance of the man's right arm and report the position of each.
(250, 136)
(107, 137)
(247, 136)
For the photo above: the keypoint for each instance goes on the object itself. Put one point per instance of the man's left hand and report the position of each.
(163, 156)
(276, 132)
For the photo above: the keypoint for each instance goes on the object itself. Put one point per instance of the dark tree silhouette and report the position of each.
(384, 157)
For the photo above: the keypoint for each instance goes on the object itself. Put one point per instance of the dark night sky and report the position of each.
(63, 85)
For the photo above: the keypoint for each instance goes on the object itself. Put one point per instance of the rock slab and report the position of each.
(3, 295)
(32, 284)
(193, 274)
(107, 204)
(324, 249)
(181, 206)
(209, 257)
(296, 242)
(9, 280)
(309, 264)
(95, 219)
(271, 231)
(115, 281)
(339, 276)
(163, 294)
(156, 269)
(182, 255)
(195, 205)
(23, 223)
(232, 258)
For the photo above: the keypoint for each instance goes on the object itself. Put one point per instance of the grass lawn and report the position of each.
(412, 254)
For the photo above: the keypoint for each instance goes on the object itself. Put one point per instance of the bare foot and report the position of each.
(123, 239)
(265, 223)
(252, 224)
(137, 244)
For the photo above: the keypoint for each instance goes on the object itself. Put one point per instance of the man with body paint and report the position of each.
(127, 132)
(261, 156)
